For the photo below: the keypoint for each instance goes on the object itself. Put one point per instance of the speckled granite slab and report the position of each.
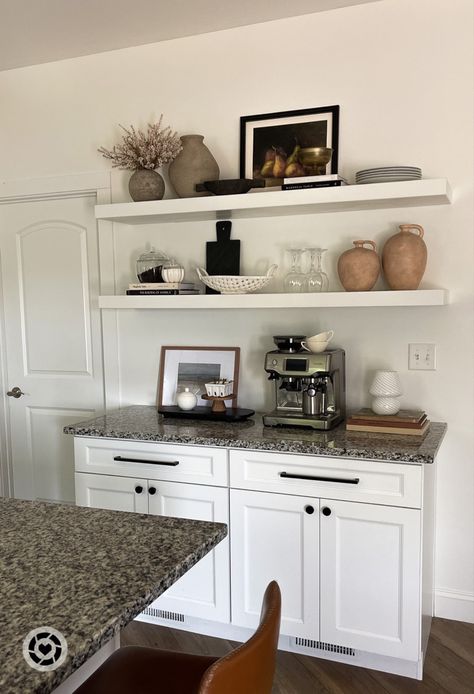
(143, 423)
(85, 572)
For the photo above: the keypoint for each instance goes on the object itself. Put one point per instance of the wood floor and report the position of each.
(449, 665)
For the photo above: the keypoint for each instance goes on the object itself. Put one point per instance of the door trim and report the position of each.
(98, 184)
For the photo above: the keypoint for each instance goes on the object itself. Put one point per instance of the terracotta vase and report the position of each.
(194, 164)
(404, 258)
(359, 267)
(146, 184)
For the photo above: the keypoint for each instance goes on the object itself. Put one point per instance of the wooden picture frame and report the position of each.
(185, 366)
(309, 127)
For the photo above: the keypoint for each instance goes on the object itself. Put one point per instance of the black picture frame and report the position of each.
(309, 127)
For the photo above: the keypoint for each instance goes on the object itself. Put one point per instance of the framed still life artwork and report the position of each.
(289, 144)
(193, 367)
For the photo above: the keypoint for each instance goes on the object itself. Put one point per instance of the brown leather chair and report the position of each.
(248, 669)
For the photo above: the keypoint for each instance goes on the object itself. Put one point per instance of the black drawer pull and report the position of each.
(138, 489)
(172, 463)
(289, 475)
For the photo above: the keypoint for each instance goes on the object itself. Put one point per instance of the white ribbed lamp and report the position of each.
(386, 389)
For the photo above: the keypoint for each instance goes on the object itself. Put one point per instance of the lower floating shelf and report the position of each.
(418, 297)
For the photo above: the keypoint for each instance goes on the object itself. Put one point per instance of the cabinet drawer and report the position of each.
(390, 484)
(160, 461)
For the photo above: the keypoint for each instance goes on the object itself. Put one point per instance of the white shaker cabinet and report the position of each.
(111, 493)
(370, 578)
(275, 536)
(350, 542)
(204, 590)
(160, 479)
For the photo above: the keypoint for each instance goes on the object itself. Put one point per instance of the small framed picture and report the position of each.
(193, 367)
(282, 145)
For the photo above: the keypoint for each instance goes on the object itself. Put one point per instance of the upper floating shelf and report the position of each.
(435, 191)
(418, 297)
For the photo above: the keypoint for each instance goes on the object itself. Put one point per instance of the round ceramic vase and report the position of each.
(146, 184)
(359, 267)
(194, 164)
(404, 257)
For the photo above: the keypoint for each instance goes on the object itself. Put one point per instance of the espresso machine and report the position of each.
(309, 388)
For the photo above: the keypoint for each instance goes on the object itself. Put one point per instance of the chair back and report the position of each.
(249, 669)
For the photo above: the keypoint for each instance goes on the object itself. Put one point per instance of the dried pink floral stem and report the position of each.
(144, 150)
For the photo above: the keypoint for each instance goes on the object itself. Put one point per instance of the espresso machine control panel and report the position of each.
(309, 389)
(296, 364)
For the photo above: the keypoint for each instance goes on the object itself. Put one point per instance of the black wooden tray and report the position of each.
(232, 414)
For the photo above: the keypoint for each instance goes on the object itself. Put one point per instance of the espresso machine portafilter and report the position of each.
(309, 388)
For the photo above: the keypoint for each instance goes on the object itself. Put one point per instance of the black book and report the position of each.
(160, 292)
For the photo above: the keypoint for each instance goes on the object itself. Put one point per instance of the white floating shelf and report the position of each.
(434, 191)
(419, 297)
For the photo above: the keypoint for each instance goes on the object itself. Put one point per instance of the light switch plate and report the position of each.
(422, 357)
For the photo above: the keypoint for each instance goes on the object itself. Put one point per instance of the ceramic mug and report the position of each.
(321, 337)
(315, 346)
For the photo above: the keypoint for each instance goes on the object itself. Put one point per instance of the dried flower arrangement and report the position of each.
(144, 150)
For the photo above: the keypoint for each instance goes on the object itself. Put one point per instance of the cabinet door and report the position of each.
(112, 493)
(204, 591)
(370, 578)
(275, 536)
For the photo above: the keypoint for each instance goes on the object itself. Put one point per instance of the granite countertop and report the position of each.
(143, 423)
(85, 572)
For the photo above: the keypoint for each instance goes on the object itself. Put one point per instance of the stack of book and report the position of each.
(323, 181)
(407, 422)
(161, 288)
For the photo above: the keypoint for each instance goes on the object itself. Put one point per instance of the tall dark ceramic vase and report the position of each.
(146, 184)
(194, 164)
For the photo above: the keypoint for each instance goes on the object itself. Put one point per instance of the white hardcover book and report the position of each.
(314, 179)
(161, 285)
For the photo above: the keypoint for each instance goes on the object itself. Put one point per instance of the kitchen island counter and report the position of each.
(85, 572)
(143, 423)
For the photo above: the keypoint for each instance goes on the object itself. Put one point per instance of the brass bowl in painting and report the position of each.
(315, 159)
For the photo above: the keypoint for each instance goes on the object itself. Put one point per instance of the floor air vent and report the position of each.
(321, 646)
(164, 614)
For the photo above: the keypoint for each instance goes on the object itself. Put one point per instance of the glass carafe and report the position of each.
(295, 280)
(317, 280)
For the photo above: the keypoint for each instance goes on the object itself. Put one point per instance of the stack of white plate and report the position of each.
(386, 174)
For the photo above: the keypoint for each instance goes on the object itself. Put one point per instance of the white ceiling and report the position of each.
(41, 31)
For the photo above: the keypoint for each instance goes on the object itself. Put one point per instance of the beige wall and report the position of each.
(402, 74)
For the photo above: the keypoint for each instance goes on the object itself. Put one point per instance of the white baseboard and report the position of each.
(452, 604)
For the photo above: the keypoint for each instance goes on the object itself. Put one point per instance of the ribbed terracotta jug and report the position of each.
(359, 267)
(404, 257)
(194, 164)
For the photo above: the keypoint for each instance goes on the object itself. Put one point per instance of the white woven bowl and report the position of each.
(235, 284)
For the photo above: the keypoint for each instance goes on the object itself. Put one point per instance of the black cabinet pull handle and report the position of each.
(172, 463)
(309, 509)
(289, 475)
(326, 511)
(138, 489)
(152, 490)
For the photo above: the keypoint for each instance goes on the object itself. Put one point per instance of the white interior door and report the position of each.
(50, 279)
